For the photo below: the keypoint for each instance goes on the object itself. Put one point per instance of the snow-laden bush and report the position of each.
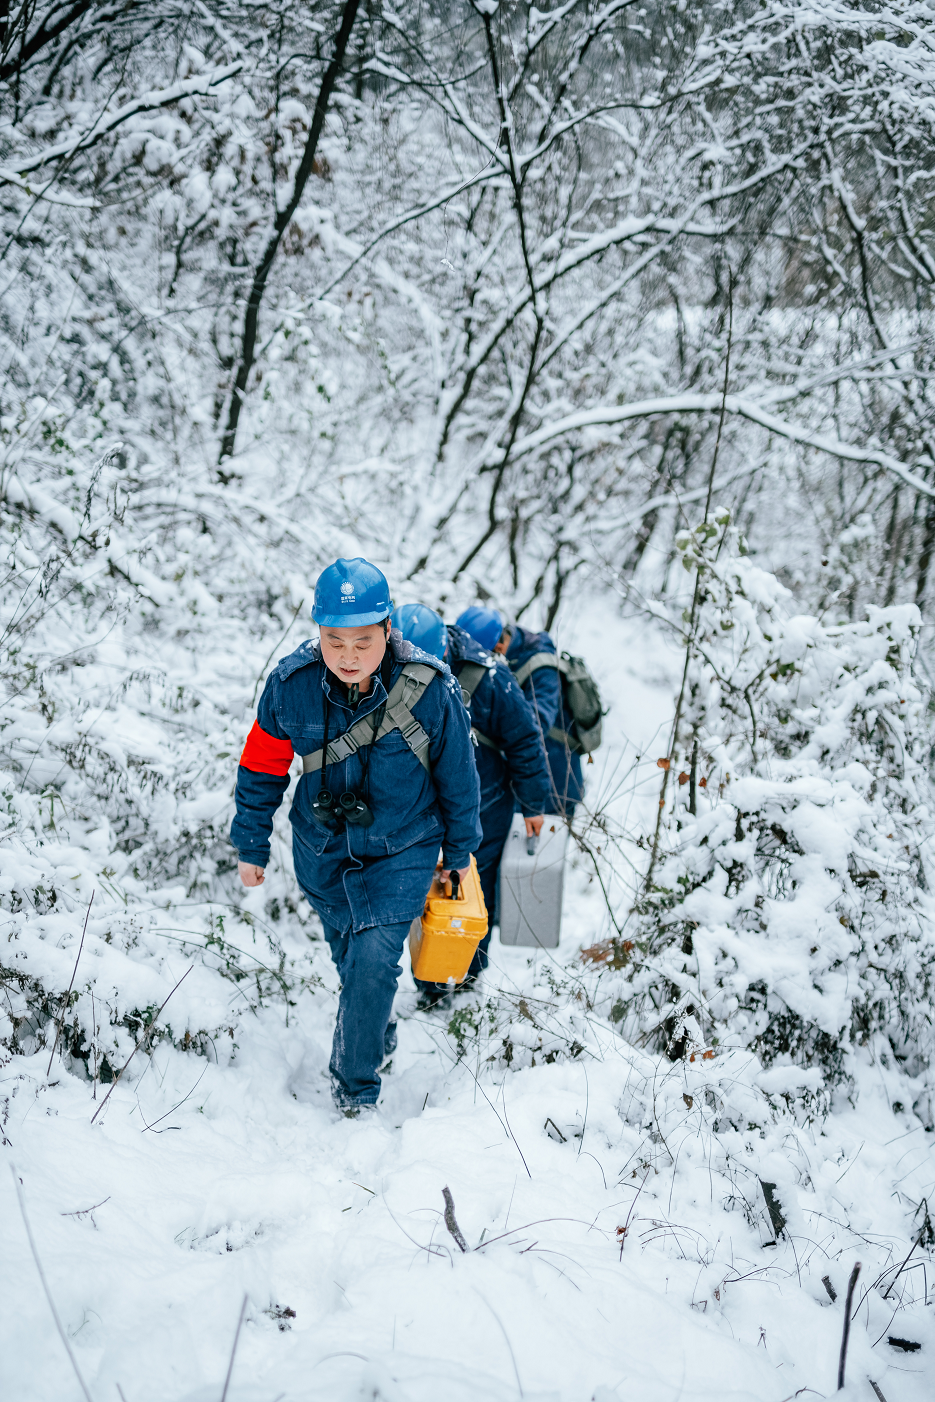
(130, 646)
(787, 907)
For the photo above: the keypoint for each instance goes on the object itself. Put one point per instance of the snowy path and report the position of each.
(254, 1188)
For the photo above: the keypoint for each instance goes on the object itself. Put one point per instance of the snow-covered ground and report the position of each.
(620, 1246)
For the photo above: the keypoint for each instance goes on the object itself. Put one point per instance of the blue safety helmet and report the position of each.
(423, 627)
(484, 625)
(351, 594)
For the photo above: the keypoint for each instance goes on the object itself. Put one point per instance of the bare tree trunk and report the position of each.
(13, 28)
(281, 224)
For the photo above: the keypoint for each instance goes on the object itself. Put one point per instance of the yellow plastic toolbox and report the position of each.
(443, 942)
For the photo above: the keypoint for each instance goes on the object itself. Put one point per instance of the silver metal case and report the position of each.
(530, 892)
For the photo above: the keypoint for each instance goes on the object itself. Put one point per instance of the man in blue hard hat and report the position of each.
(388, 778)
(528, 656)
(510, 756)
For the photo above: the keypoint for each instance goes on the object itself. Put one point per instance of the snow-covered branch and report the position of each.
(711, 404)
(109, 121)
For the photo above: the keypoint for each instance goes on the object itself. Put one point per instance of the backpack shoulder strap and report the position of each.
(470, 677)
(532, 664)
(410, 686)
(562, 737)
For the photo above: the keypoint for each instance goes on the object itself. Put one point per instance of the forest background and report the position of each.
(508, 300)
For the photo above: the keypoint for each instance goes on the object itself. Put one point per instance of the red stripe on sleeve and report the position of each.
(264, 754)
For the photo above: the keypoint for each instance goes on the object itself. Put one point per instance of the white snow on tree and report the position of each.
(788, 908)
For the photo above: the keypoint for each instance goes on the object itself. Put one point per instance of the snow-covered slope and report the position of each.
(620, 1244)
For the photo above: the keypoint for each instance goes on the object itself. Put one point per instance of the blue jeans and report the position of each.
(368, 963)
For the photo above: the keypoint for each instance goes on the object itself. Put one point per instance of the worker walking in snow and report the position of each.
(509, 751)
(389, 777)
(534, 662)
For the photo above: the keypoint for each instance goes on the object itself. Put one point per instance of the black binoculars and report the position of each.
(347, 808)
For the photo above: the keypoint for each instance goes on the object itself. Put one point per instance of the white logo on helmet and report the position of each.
(347, 592)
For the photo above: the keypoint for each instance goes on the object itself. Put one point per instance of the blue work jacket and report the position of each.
(360, 877)
(543, 691)
(500, 711)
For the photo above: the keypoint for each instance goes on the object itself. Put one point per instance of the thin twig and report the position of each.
(429, 1250)
(904, 1264)
(720, 422)
(842, 1361)
(84, 1211)
(482, 1245)
(696, 597)
(230, 1366)
(176, 1107)
(506, 1336)
(587, 1102)
(876, 1389)
(512, 1135)
(95, 1049)
(45, 1285)
(451, 1221)
(589, 1155)
(272, 650)
(74, 971)
(626, 1225)
(145, 1036)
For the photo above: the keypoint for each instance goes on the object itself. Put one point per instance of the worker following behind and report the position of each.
(389, 777)
(561, 691)
(509, 752)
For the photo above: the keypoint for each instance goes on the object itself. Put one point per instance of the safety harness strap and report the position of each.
(470, 677)
(532, 664)
(408, 689)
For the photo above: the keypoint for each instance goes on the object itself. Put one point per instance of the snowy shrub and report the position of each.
(787, 908)
(129, 647)
(545, 1026)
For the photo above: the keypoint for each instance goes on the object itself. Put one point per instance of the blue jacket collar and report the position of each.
(524, 643)
(463, 648)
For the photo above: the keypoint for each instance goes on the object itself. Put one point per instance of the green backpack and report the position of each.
(581, 695)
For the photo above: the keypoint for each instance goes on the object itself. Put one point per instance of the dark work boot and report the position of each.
(430, 995)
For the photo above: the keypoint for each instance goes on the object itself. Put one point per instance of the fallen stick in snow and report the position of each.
(45, 1285)
(451, 1221)
(58, 1026)
(842, 1361)
(876, 1390)
(145, 1036)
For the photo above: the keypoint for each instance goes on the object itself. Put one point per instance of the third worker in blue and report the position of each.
(534, 662)
(511, 760)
